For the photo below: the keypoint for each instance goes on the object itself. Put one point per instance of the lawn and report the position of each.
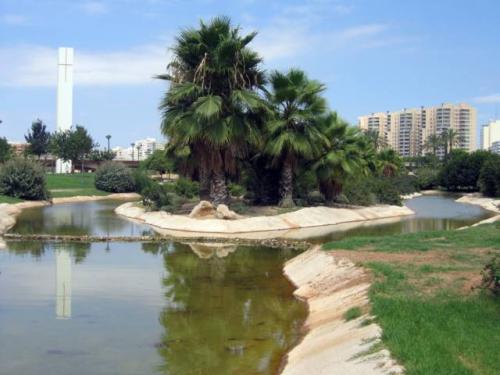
(7, 199)
(69, 185)
(424, 296)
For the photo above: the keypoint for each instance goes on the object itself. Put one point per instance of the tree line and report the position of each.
(75, 145)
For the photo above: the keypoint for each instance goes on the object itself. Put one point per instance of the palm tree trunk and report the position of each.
(218, 188)
(204, 178)
(286, 188)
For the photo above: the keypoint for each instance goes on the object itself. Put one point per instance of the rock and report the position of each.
(204, 209)
(223, 212)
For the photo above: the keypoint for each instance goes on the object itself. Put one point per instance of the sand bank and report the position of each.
(331, 286)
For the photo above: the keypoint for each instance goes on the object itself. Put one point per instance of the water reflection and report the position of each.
(162, 310)
(63, 284)
(93, 218)
(226, 315)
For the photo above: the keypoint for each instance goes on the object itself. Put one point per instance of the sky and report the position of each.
(373, 55)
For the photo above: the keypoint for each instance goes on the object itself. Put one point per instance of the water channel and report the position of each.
(149, 308)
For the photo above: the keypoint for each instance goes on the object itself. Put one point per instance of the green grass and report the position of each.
(352, 313)
(433, 323)
(7, 199)
(69, 185)
(480, 236)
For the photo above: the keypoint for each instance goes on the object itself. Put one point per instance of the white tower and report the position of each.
(63, 284)
(64, 98)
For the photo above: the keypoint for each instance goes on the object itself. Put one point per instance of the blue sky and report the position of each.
(373, 55)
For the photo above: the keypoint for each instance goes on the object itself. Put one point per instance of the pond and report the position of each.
(148, 308)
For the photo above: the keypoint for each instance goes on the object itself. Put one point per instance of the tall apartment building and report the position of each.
(490, 133)
(407, 131)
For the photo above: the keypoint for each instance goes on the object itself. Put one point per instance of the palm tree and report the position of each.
(433, 143)
(389, 163)
(450, 138)
(378, 141)
(344, 156)
(212, 103)
(294, 132)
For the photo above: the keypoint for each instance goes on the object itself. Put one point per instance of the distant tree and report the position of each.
(449, 138)
(38, 138)
(389, 163)
(72, 145)
(158, 162)
(101, 155)
(5, 150)
(489, 178)
(461, 170)
(433, 143)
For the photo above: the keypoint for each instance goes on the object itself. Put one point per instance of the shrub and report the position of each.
(237, 190)
(428, 178)
(114, 177)
(461, 171)
(23, 178)
(358, 192)
(489, 178)
(142, 180)
(187, 188)
(406, 184)
(491, 276)
(155, 196)
(386, 191)
(352, 313)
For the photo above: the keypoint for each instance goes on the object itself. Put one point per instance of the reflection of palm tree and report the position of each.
(226, 315)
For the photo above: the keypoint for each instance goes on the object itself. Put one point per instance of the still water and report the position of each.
(432, 212)
(143, 308)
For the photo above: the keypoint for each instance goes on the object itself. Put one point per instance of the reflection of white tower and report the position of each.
(64, 98)
(63, 284)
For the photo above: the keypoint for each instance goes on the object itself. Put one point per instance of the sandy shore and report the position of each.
(490, 204)
(331, 286)
(286, 225)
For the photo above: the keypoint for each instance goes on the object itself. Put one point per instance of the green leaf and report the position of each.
(208, 107)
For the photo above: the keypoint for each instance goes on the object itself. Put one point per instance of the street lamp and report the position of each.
(133, 145)
(108, 137)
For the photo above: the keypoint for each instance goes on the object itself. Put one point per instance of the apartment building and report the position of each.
(490, 133)
(407, 131)
(138, 150)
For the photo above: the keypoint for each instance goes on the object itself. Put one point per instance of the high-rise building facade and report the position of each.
(490, 133)
(407, 131)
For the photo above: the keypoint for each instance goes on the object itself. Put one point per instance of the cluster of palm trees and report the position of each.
(221, 110)
(448, 139)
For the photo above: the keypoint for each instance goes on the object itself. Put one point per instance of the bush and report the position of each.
(142, 180)
(352, 313)
(187, 188)
(156, 196)
(237, 190)
(491, 276)
(23, 178)
(386, 191)
(489, 178)
(406, 184)
(461, 171)
(114, 177)
(428, 178)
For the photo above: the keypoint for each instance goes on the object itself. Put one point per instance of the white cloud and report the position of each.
(37, 66)
(94, 7)
(14, 19)
(488, 99)
(293, 40)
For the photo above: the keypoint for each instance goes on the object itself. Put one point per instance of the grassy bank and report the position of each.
(69, 185)
(434, 319)
(7, 199)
